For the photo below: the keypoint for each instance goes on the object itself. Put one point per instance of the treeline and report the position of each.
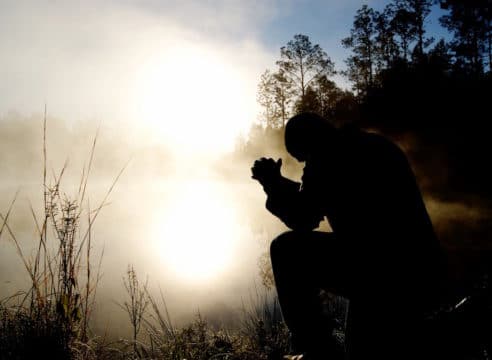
(302, 82)
(432, 94)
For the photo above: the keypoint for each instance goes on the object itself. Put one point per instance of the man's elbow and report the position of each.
(293, 219)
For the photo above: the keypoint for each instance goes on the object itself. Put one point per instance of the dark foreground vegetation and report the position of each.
(430, 95)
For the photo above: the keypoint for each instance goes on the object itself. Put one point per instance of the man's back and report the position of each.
(367, 185)
(393, 258)
(370, 196)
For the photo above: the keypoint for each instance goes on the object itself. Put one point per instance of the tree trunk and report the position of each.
(301, 67)
(489, 36)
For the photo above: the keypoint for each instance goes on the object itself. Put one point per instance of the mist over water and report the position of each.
(169, 101)
(196, 226)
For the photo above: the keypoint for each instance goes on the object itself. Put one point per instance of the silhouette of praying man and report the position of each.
(382, 253)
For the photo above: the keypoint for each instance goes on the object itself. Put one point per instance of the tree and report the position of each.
(283, 96)
(404, 26)
(329, 94)
(470, 22)
(301, 83)
(439, 56)
(362, 42)
(309, 102)
(266, 99)
(274, 96)
(419, 10)
(321, 97)
(301, 63)
(386, 46)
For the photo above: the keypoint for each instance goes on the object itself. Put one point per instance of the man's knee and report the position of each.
(284, 244)
(297, 241)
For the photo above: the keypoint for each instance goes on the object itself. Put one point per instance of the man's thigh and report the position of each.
(320, 256)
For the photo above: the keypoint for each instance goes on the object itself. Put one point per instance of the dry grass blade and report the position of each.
(101, 205)
(5, 219)
(84, 179)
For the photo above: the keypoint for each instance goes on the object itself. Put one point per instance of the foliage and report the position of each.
(361, 40)
(435, 95)
(262, 335)
(302, 82)
(275, 97)
(470, 22)
(419, 11)
(301, 62)
(25, 335)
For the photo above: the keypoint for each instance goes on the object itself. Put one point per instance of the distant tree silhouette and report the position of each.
(440, 57)
(321, 97)
(266, 98)
(470, 22)
(302, 82)
(274, 96)
(386, 45)
(360, 65)
(378, 39)
(403, 24)
(302, 63)
(418, 10)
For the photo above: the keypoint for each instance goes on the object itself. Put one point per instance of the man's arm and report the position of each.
(287, 199)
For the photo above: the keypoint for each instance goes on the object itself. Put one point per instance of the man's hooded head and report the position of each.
(306, 134)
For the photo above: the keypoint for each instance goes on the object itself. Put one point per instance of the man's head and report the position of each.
(306, 134)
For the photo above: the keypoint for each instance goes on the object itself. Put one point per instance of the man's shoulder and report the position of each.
(378, 142)
(374, 146)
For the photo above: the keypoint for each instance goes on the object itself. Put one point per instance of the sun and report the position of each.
(193, 99)
(197, 232)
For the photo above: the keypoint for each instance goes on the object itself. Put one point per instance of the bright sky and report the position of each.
(127, 60)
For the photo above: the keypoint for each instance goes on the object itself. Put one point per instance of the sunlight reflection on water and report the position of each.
(196, 233)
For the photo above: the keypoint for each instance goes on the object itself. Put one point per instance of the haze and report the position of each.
(170, 97)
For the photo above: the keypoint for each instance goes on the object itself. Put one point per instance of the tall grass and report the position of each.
(54, 313)
(137, 303)
(261, 335)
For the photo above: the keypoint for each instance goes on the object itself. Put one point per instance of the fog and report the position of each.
(133, 228)
(168, 96)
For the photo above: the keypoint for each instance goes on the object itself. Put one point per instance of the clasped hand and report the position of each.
(266, 171)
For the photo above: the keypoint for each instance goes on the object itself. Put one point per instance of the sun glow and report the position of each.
(197, 233)
(193, 100)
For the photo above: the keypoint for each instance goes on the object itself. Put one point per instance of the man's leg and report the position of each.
(304, 263)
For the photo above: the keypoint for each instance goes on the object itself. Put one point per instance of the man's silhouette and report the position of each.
(382, 254)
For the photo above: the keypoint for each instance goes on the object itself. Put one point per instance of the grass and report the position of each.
(262, 334)
(54, 313)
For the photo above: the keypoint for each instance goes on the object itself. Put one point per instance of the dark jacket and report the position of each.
(363, 184)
